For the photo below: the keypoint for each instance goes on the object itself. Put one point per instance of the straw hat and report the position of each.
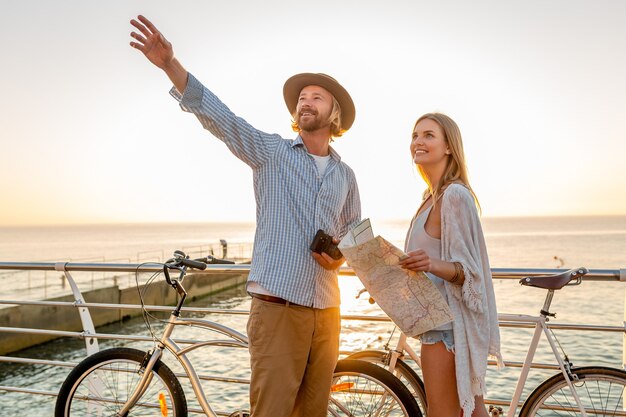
(294, 85)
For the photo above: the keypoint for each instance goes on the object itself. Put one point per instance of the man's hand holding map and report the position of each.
(410, 299)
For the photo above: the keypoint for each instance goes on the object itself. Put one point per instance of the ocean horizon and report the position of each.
(249, 221)
(538, 241)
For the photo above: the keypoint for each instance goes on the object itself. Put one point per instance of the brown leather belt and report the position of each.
(272, 299)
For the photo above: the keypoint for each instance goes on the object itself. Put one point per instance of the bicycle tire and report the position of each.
(403, 371)
(364, 389)
(104, 381)
(601, 391)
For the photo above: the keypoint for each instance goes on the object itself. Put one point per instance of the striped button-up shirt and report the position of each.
(292, 201)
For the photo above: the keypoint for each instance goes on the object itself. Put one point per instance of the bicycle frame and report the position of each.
(147, 361)
(166, 342)
(398, 352)
(540, 326)
(236, 340)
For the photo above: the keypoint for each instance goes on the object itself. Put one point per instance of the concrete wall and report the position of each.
(53, 318)
(67, 318)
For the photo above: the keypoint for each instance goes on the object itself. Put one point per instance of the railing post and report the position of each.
(91, 343)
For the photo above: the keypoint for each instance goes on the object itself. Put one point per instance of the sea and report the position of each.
(595, 242)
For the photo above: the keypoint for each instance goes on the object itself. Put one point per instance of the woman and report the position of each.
(446, 242)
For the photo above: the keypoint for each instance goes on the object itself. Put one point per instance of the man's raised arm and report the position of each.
(159, 51)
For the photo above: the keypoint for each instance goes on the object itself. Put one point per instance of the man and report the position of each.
(300, 186)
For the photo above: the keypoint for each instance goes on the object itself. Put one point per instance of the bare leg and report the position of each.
(440, 380)
(479, 408)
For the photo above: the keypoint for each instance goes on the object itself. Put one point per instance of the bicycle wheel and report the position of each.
(402, 371)
(601, 391)
(102, 382)
(363, 389)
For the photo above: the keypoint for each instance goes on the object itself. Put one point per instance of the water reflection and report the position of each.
(573, 305)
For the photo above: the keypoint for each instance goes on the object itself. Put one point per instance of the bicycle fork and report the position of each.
(151, 359)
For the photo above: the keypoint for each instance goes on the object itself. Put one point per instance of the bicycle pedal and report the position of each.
(495, 411)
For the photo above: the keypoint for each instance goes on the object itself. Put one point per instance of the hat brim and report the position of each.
(294, 85)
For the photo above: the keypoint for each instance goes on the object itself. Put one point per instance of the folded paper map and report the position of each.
(409, 298)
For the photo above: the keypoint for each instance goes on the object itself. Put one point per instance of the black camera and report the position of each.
(322, 242)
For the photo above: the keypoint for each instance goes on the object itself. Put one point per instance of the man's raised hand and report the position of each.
(152, 43)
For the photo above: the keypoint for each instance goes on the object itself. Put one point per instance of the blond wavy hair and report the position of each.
(456, 168)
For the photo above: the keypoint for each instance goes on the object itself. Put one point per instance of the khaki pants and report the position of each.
(293, 352)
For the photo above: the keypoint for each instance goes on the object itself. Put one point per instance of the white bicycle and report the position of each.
(574, 391)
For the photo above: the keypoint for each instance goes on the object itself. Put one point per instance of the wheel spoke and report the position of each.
(102, 383)
(601, 392)
(363, 389)
(402, 371)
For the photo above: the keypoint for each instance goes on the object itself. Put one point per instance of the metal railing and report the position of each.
(45, 283)
(90, 335)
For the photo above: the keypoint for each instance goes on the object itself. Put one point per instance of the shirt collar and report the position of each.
(299, 142)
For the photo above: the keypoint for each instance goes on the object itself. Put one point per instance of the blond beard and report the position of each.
(316, 124)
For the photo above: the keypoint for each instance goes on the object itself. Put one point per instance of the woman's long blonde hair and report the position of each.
(456, 169)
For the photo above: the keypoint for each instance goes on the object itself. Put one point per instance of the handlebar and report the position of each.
(192, 263)
(213, 260)
(181, 262)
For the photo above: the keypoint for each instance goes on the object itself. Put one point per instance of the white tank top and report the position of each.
(419, 239)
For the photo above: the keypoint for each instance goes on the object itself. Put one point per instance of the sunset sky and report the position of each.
(89, 133)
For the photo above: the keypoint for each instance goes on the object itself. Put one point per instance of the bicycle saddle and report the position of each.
(557, 281)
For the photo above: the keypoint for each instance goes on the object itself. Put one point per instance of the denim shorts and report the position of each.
(435, 336)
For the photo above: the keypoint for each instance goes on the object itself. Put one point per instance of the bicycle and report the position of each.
(579, 391)
(131, 382)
